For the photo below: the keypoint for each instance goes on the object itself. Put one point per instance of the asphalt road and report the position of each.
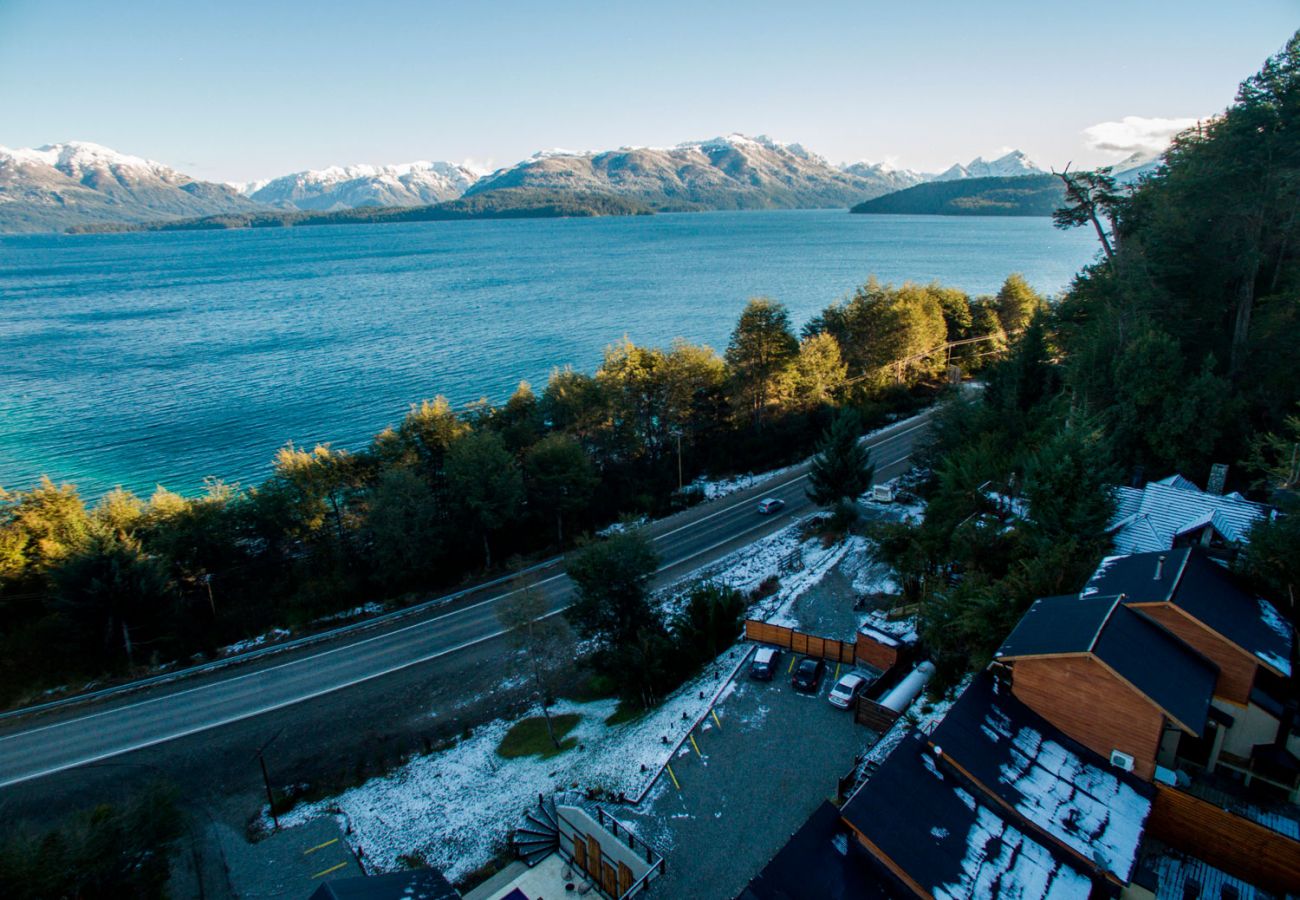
(42, 745)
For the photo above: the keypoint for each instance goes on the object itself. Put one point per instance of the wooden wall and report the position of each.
(1229, 842)
(1236, 668)
(1081, 697)
(799, 642)
(872, 652)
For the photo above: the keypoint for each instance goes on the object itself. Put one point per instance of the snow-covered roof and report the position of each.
(1153, 517)
(1059, 785)
(953, 842)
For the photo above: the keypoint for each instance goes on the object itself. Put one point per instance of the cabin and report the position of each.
(1110, 678)
(1174, 512)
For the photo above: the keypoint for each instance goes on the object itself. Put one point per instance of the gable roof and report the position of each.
(1205, 591)
(421, 884)
(951, 841)
(1158, 665)
(820, 860)
(1152, 517)
(1056, 783)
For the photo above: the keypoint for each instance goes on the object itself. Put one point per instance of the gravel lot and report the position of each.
(756, 780)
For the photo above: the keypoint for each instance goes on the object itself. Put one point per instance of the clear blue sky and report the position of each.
(234, 90)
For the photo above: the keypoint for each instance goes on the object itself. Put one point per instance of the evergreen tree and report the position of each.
(761, 346)
(842, 469)
(484, 484)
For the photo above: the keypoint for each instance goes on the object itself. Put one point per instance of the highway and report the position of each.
(42, 744)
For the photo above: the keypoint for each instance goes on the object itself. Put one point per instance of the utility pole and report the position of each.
(680, 486)
(266, 778)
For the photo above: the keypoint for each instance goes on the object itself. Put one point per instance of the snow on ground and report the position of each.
(714, 489)
(454, 807)
(817, 561)
(275, 634)
(620, 527)
(369, 609)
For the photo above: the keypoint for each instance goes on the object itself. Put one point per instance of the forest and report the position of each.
(128, 583)
(1173, 351)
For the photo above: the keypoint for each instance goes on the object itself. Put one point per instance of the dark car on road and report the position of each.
(764, 665)
(808, 675)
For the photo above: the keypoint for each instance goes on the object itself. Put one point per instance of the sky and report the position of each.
(236, 91)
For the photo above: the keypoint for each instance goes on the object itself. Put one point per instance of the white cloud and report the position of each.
(1135, 134)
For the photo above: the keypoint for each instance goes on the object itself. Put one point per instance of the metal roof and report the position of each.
(1150, 518)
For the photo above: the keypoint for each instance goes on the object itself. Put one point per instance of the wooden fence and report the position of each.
(799, 642)
(1226, 841)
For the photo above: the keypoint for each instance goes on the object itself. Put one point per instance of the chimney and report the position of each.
(1160, 566)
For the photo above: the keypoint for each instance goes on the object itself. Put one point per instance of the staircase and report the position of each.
(539, 835)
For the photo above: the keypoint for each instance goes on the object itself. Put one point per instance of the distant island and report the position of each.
(1024, 195)
(506, 203)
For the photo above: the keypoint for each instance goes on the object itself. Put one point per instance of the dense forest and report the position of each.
(448, 494)
(1170, 353)
(506, 203)
(1023, 195)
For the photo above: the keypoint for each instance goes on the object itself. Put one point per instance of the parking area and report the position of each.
(747, 783)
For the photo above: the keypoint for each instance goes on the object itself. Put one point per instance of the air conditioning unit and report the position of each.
(1121, 760)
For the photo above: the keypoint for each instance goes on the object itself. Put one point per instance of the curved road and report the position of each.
(41, 745)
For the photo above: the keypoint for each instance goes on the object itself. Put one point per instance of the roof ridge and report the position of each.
(1119, 598)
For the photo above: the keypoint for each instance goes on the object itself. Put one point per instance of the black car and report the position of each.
(764, 665)
(808, 675)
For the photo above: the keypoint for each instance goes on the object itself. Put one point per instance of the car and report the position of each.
(763, 668)
(769, 505)
(847, 689)
(807, 676)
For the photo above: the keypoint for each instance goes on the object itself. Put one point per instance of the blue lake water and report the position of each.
(136, 359)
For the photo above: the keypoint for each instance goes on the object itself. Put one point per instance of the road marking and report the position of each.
(669, 767)
(315, 657)
(695, 745)
(837, 671)
(791, 667)
(714, 713)
(320, 846)
(330, 869)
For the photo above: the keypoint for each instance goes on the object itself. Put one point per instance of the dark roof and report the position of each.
(1159, 665)
(950, 840)
(1055, 625)
(1056, 783)
(421, 884)
(820, 860)
(1207, 592)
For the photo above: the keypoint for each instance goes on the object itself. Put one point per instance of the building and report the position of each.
(1174, 512)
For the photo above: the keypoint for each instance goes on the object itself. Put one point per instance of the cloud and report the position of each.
(1135, 134)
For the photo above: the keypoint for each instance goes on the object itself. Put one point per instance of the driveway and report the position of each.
(755, 779)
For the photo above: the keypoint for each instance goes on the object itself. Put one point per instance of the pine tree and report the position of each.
(842, 469)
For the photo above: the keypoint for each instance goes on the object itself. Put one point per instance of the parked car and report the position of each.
(808, 675)
(770, 505)
(847, 689)
(763, 668)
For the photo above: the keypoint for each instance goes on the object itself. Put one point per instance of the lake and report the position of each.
(136, 359)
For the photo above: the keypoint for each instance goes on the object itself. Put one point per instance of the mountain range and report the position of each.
(80, 185)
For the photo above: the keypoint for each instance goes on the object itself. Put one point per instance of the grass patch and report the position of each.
(625, 713)
(528, 737)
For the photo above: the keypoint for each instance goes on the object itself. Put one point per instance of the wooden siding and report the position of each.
(799, 642)
(1229, 842)
(876, 717)
(1236, 666)
(1084, 699)
(873, 653)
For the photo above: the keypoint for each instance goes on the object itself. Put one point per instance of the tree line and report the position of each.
(448, 493)
(1173, 351)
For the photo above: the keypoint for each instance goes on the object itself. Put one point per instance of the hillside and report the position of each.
(1025, 195)
(348, 187)
(58, 186)
(502, 204)
(733, 172)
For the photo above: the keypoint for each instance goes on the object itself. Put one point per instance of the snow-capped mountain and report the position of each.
(892, 177)
(730, 172)
(1008, 166)
(1132, 168)
(78, 183)
(345, 187)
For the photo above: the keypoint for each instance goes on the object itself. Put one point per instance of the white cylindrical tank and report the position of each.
(907, 690)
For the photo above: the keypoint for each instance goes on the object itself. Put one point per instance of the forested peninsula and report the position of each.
(507, 203)
(1023, 195)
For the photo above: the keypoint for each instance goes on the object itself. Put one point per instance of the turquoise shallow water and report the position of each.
(135, 359)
